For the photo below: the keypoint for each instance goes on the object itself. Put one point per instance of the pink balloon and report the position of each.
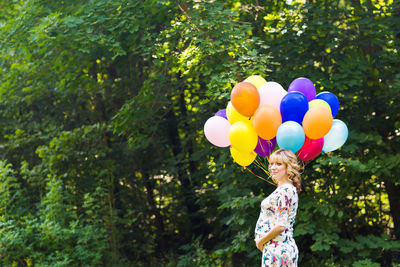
(310, 149)
(271, 93)
(216, 130)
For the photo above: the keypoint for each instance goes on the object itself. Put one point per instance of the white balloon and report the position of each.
(336, 137)
(271, 93)
(216, 130)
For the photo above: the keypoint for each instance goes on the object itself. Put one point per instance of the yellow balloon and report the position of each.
(319, 103)
(243, 158)
(256, 80)
(234, 116)
(243, 137)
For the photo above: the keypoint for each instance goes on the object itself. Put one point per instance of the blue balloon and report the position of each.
(294, 106)
(290, 136)
(332, 100)
(336, 137)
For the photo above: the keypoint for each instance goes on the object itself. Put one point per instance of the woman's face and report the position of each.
(278, 170)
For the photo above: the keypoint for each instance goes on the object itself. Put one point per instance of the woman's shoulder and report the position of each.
(288, 189)
(287, 186)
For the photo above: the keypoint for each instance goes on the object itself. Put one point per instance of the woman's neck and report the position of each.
(284, 181)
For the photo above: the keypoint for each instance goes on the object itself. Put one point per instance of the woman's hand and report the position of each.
(259, 244)
(276, 230)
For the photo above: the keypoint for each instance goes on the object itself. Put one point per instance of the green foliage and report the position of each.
(102, 106)
(365, 262)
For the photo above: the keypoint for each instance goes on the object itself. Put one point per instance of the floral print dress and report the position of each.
(279, 208)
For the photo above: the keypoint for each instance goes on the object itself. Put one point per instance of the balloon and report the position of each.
(243, 137)
(332, 100)
(245, 98)
(256, 80)
(304, 86)
(294, 106)
(290, 136)
(264, 148)
(234, 116)
(336, 137)
(310, 149)
(243, 158)
(216, 130)
(271, 93)
(266, 121)
(317, 122)
(221, 113)
(319, 103)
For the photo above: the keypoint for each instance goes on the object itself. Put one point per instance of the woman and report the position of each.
(274, 229)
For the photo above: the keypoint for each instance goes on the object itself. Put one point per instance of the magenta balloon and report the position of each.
(310, 149)
(264, 148)
(304, 86)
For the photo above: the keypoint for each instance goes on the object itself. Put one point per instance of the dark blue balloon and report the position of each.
(294, 106)
(331, 99)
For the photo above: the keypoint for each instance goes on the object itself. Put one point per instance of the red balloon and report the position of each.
(310, 149)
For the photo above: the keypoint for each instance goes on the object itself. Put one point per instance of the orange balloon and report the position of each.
(266, 121)
(245, 98)
(317, 122)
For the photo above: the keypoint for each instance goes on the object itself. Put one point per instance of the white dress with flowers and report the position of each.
(279, 208)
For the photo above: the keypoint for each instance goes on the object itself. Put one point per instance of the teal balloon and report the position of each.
(336, 137)
(290, 136)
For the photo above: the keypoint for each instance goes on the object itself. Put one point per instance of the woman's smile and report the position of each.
(278, 170)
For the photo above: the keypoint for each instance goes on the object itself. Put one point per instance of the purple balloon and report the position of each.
(305, 86)
(221, 113)
(264, 148)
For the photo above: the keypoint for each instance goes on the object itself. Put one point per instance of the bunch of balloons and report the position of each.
(261, 115)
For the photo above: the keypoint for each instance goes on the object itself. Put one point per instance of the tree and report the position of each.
(102, 109)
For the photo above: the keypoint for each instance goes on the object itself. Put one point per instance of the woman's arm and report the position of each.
(270, 235)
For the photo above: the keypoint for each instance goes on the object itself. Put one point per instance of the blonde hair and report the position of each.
(288, 158)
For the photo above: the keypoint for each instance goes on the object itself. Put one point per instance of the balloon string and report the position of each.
(258, 164)
(261, 145)
(298, 154)
(302, 169)
(306, 163)
(266, 160)
(259, 176)
(264, 167)
(261, 166)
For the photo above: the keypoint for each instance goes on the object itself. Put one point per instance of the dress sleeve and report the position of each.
(284, 200)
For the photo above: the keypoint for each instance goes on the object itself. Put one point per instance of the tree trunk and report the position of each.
(149, 184)
(393, 192)
(198, 225)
